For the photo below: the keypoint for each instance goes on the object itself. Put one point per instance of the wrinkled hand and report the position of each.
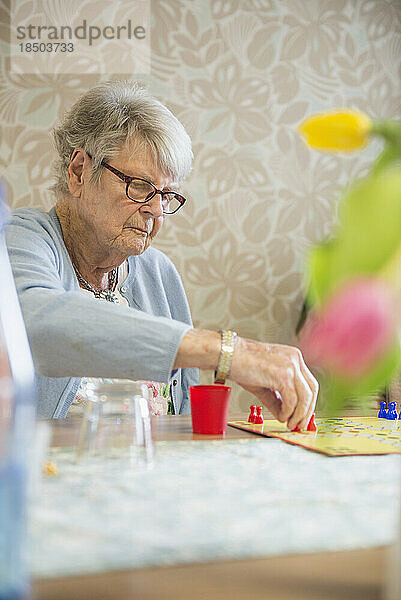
(279, 378)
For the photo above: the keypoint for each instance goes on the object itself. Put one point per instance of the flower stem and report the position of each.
(390, 131)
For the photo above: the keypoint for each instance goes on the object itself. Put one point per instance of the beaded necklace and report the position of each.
(108, 294)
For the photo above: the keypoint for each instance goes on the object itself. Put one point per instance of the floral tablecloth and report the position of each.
(205, 501)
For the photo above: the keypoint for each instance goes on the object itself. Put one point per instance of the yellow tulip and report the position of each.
(339, 131)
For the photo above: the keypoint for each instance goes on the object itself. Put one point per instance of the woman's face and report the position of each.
(118, 224)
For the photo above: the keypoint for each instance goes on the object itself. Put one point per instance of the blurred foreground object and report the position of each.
(349, 130)
(17, 413)
(354, 328)
(353, 279)
(342, 131)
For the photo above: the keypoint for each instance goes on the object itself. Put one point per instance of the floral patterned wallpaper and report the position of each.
(241, 75)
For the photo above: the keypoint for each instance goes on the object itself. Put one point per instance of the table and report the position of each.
(357, 574)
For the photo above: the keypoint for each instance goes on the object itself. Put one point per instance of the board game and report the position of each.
(339, 436)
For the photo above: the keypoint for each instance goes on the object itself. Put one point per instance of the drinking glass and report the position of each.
(116, 424)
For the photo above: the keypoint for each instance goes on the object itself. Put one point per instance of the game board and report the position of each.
(340, 436)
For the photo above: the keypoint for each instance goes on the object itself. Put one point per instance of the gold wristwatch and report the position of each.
(226, 355)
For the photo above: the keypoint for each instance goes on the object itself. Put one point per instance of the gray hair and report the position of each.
(109, 116)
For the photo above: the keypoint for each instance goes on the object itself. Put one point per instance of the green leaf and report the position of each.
(368, 237)
(337, 392)
(382, 374)
(318, 272)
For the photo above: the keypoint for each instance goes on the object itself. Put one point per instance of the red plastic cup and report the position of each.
(209, 408)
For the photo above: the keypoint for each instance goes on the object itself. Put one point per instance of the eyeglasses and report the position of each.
(141, 191)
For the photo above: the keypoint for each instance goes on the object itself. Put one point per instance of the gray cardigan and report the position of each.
(74, 335)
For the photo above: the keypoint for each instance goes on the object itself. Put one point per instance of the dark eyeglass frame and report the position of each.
(128, 180)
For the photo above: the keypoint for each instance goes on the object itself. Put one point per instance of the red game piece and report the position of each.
(311, 424)
(251, 418)
(259, 416)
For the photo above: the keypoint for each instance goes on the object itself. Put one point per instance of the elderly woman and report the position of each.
(97, 300)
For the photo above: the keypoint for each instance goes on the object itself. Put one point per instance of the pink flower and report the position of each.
(353, 330)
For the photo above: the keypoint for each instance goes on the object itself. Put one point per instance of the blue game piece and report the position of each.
(392, 413)
(382, 412)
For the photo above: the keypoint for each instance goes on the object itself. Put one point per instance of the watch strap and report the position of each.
(226, 355)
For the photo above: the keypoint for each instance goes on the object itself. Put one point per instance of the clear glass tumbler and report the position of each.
(116, 424)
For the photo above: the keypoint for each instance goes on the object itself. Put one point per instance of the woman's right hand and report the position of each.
(276, 374)
(279, 378)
